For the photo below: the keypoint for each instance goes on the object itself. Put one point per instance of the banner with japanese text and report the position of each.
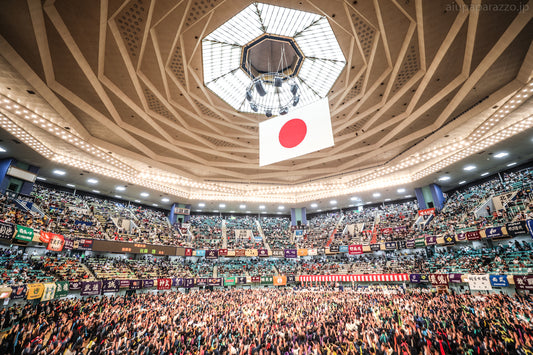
(499, 280)
(24, 233)
(355, 249)
(523, 282)
(479, 282)
(473, 235)
(431, 240)
(165, 284)
(7, 230)
(56, 242)
(49, 291)
(61, 289)
(438, 279)
(229, 281)
(35, 291)
(516, 228)
(91, 288)
(148, 283)
(110, 286)
(278, 253)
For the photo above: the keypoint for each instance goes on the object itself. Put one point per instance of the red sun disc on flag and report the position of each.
(292, 133)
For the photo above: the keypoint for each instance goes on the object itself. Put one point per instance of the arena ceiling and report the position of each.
(116, 87)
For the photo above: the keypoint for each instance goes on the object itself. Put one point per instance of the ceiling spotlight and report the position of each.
(462, 182)
(92, 181)
(444, 178)
(332, 202)
(164, 199)
(145, 194)
(283, 110)
(41, 178)
(501, 155)
(201, 204)
(294, 89)
(262, 207)
(268, 113)
(281, 207)
(71, 185)
(314, 205)
(354, 198)
(96, 191)
(2, 150)
(260, 88)
(138, 201)
(59, 172)
(242, 207)
(118, 196)
(485, 173)
(469, 167)
(295, 100)
(120, 188)
(376, 194)
(222, 205)
(401, 190)
(511, 164)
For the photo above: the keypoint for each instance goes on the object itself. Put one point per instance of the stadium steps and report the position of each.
(262, 235)
(224, 232)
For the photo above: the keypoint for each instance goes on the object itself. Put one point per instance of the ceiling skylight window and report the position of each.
(258, 40)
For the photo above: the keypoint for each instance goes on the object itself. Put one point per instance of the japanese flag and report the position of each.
(299, 132)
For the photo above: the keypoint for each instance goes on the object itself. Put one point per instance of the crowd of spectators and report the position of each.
(278, 321)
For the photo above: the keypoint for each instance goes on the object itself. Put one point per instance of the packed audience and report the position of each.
(280, 321)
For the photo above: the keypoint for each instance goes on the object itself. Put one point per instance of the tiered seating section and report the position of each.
(87, 216)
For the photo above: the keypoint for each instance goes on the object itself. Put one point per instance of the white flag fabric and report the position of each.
(299, 132)
(479, 282)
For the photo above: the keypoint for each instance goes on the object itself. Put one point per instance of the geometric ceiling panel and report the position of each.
(161, 83)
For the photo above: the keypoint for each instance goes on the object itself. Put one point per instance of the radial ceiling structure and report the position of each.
(120, 88)
(313, 58)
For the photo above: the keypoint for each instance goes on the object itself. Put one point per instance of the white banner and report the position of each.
(479, 282)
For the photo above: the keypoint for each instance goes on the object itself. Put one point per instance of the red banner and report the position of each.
(475, 235)
(222, 252)
(386, 230)
(164, 284)
(355, 249)
(256, 279)
(56, 242)
(427, 212)
(45, 237)
(188, 252)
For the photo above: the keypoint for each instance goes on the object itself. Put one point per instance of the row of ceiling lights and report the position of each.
(328, 189)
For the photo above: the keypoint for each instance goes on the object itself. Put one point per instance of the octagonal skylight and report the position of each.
(320, 59)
